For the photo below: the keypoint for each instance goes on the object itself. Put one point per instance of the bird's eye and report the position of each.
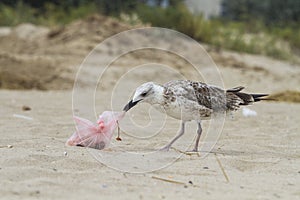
(144, 94)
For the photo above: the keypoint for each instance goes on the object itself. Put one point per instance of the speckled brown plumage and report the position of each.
(210, 98)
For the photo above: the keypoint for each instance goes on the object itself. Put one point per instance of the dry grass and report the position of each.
(287, 96)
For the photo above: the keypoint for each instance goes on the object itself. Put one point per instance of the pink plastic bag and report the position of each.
(98, 135)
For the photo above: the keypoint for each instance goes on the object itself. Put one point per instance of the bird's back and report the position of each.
(205, 99)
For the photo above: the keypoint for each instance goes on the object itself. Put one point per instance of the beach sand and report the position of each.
(254, 158)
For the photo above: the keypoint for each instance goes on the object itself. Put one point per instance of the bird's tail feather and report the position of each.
(250, 98)
(258, 97)
(247, 98)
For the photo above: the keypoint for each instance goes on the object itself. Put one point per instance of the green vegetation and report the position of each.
(247, 25)
(277, 18)
(49, 15)
(270, 12)
(255, 38)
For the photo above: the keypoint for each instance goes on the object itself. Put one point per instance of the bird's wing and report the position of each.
(233, 101)
(218, 99)
(192, 91)
(209, 96)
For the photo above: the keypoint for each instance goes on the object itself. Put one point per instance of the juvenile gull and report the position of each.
(189, 100)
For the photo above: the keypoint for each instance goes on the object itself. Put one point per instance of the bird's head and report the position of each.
(145, 93)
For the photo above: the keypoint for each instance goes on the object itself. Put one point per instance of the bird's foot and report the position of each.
(193, 152)
(165, 148)
(189, 153)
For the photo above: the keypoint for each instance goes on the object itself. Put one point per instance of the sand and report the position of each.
(260, 157)
(254, 158)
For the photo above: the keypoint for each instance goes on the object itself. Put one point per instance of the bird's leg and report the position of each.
(181, 132)
(199, 131)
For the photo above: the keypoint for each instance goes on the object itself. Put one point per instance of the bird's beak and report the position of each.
(130, 105)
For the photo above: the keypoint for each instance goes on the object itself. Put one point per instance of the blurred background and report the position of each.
(243, 25)
(54, 36)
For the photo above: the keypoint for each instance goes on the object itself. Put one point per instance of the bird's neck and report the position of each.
(158, 98)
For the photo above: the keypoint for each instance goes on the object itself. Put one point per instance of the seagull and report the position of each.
(187, 100)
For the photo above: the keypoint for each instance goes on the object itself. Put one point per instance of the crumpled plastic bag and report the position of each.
(97, 135)
(249, 113)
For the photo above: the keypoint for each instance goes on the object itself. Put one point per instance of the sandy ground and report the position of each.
(255, 157)
(260, 157)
